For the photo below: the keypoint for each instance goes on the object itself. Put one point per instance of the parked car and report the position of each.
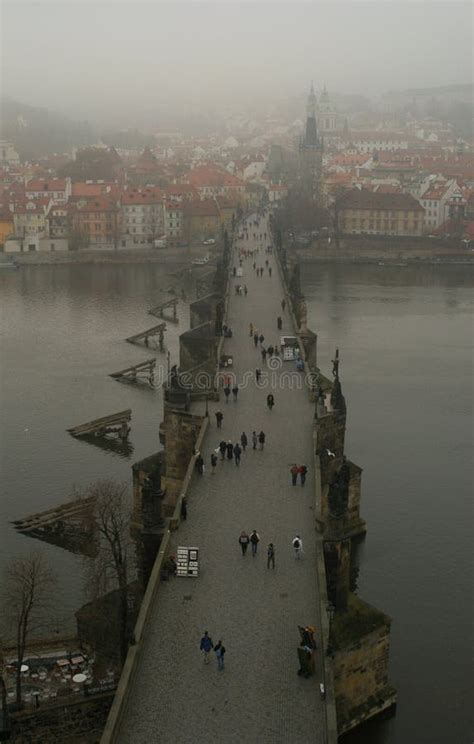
(159, 243)
(210, 241)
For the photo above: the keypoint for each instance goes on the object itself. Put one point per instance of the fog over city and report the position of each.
(118, 60)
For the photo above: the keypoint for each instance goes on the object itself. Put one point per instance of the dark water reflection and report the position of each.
(405, 339)
(62, 334)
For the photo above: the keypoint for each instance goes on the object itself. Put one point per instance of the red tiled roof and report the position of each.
(100, 204)
(142, 196)
(51, 184)
(363, 199)
(204, 208)
(206, 175)
(84, 189)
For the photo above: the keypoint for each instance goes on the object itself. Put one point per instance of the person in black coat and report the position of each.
(223, 448)
(230, 450)
(243, 440)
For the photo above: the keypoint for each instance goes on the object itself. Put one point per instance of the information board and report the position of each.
(187, 561)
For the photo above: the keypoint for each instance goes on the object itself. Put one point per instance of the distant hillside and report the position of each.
(449, 103)
(39, 131)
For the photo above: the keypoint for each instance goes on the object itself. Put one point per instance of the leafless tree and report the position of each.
(112, 565)
(27, 596)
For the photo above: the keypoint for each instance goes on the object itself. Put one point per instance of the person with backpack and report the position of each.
(219, 651)
(261, 439)
(254, 440)
(213, 463)
(244, 540)
(294, 470)
(223, 449)
(297, 546)
(206, 646)
(271, 555)
(254, 540)
(243, 440)
(303, 471)
(237, 453)
(219, 418)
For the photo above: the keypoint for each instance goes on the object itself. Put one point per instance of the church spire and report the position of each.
(311, 138)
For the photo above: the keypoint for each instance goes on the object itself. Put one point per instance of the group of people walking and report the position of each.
(233, 450)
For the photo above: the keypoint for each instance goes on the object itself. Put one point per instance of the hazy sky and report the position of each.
(88, 58)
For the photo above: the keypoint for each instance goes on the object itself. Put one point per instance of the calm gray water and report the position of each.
(405, 339)
(405, 342)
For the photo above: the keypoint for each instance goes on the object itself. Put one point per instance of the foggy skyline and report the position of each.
(105, 59)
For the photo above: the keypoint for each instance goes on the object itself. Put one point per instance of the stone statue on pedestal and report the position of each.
(338, 496)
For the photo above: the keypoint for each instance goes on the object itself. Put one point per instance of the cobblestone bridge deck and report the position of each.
(258, 698)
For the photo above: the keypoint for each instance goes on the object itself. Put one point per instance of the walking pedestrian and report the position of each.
(219, 417)
(254, 440)
(276, 351)
(271, 555)
(223, 448)
(297, 547)
(235, 392)
(206, 646)
(294, 470)
(219, 651)
(255, 339)
(227, 393)
(269, 271)
(237, 453)
(230, 450)
(254, 265)
(184, 508)
(261, 439)
(303, 470)
(244, 540)
(261, 338)
(264, 354)
(254, 541)
(245, 290)
(279, 323)
(270, 401)
(213, 463)
(266, 262)
(199, 464)
(283, 304)
(250, 329)
(243, 440)
(270, 350)
(258, 374)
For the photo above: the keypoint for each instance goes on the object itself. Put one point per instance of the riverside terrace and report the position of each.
(256, 611)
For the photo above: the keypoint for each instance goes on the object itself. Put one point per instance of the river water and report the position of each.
(404, 336)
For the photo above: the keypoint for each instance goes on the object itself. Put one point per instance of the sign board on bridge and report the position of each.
(187, 561)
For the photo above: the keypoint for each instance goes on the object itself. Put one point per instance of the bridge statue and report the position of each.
(338, 496)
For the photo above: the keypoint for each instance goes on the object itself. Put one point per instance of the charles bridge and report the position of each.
(165, 690)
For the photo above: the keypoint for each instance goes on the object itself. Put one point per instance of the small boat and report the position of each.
(200, 261)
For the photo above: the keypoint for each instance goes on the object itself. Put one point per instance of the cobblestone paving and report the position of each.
(258, 698)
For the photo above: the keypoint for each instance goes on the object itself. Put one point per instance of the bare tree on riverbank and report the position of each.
(111, 567)
(27, 597)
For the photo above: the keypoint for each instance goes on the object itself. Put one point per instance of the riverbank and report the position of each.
(138, 256)
(389, 251)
